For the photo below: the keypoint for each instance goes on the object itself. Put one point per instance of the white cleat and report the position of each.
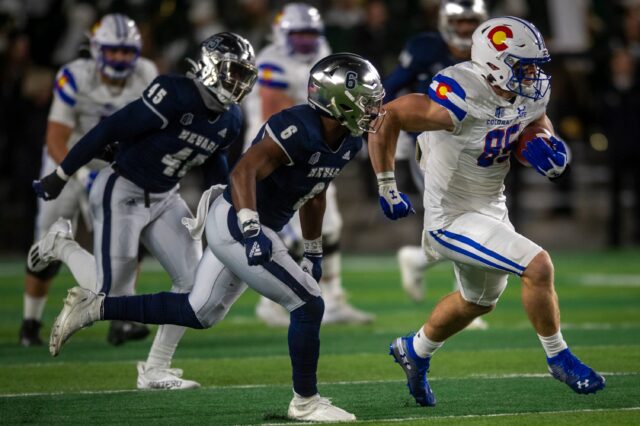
(338, 311)
(317, 409)
(41, 252)
(163, 378)
(272, 313)
(81, 309)
(478, 324)
(413, 263)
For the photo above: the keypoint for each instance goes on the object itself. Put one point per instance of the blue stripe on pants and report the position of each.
(483, 249)
(471, 255)
(106, 233)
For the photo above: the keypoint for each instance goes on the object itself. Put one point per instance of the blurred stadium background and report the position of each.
(595, 46)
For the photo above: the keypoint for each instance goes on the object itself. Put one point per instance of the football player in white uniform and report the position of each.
(283, 68)
(472, 117)
(86, 90)
(423, 56)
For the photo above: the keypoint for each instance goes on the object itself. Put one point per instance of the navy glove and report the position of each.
(549, 161)
(312, 258)
(312, 265)
(394, 203)
(257, 245)
(50, 186)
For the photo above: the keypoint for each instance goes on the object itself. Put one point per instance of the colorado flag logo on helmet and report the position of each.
(498, 37)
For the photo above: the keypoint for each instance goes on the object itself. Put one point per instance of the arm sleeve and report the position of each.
(123, 126)
(65, 90)
(289, 133)
(271, 74)
(446, 91)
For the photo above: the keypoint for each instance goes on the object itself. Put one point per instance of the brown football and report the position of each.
(527, 134)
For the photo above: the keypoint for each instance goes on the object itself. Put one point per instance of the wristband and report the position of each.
(313, 246)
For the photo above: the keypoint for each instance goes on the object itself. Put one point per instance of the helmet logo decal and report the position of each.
(498, 37)
(351, 80)
(213, 43)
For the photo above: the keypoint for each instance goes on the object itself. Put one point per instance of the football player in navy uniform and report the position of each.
(86, 91)
(295, 156)
(423, 56)
(177, 124)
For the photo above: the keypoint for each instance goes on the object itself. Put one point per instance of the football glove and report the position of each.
(550, 161)
(50, 186)
(394, 203)
(312, 258)
(256, 244)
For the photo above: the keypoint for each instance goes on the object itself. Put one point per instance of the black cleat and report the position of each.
(121, 331)
(30, 333)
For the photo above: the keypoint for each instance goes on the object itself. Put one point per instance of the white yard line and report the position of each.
(338, 383)
(473, 416)
(609, 280)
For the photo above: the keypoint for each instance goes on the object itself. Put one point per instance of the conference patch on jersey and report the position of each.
(498, 37)
(448, 93)
(65, 87)
(271, 75)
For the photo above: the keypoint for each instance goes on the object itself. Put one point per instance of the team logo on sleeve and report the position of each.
(186, 119)
(498, 37)
(314, 158)
(442, 90)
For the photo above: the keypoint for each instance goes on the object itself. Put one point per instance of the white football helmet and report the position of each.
(115, 31)
(452, 10)
(296, 18)
(510, 52)
(348, 88)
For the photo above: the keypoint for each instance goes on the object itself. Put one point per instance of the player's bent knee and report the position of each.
(540, 270)
(47, 273)
(312, 311)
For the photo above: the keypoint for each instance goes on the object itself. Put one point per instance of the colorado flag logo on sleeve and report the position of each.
(65, 87)
(271, 75)
(448, 93)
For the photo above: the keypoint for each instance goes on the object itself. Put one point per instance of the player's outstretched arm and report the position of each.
(256, 164)
(124, 125)
(412, 113)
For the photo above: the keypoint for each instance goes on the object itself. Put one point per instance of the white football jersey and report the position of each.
(81, 99)
(279, 70)
(465, 169)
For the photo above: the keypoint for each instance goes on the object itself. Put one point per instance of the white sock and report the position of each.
(33, 307)
(164, 345)
(80, 262)
(553, 345)
(424, 346)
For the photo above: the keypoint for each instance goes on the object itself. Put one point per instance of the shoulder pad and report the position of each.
(146, 69)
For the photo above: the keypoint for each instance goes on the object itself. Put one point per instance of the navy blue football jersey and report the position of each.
(423, 56)
(162, 135)
(312, 164)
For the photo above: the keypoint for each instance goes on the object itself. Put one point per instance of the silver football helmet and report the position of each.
(348, 88)
(115, 31)
(226, 67)
(453, 10)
